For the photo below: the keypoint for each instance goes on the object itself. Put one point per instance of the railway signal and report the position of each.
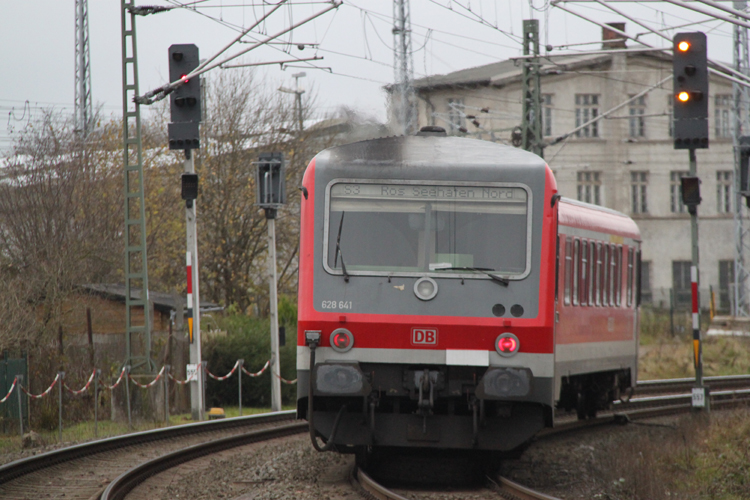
(185, 100)
(270, 195)
(690, 76)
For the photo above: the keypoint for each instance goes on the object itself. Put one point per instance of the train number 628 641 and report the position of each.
(332, 304)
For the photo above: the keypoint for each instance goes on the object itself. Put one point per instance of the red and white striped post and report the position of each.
(691, 198)
(189, 265)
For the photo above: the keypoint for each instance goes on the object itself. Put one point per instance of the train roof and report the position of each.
(432, 151)
(578, 214)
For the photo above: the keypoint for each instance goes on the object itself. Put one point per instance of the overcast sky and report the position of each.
(37, 40)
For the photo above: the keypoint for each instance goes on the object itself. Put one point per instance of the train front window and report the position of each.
(377, 228)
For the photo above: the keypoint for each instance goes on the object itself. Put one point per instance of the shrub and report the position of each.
(249, 338)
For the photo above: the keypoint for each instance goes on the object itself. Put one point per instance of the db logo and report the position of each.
(424, 336)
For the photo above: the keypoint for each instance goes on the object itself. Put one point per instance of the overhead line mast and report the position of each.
(403, 67)
(83, 107)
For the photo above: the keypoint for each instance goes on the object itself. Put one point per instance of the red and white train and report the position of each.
(449, 298)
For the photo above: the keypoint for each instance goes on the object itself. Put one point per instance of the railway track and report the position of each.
(639, 408)
(111, 468)
(85, 471)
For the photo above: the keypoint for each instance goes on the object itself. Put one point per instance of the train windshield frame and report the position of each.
(427, 228)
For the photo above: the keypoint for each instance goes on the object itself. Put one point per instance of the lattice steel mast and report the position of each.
(83, 107)
(403, 67)
(741, 307)
(137, 354)
(531, 124)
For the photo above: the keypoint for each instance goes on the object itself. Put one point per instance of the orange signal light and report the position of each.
(683, 46)
(683, 96)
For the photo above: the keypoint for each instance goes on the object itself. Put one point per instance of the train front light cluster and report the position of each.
(500, 383)
(340, 379)
(507, 345)
(342, 340)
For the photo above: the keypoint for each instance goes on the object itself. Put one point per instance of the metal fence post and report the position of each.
(96, 402)
(166, 394)
(20, 400)
(671, 310)
(127, 395)
(239, 378)
(60, 405)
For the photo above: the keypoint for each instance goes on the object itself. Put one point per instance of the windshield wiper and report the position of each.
(338, 250)
(483, 270)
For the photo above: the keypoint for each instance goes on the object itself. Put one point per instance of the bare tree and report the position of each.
(60, 223)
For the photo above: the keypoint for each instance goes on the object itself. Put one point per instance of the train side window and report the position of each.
(629, 290)
(592, 272)
(618, 273)
(605, 275)
(568, 270)
(599, 275)
(584, 288)
(576, 251)
(612, 274)
(638, 264)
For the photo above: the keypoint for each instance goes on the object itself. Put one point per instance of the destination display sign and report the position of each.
(426, 192)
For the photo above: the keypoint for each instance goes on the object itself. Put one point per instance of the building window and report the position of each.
(547, 114)
(681, 282)
(637, 123)
(723, 115)
(638, 185)
(456, 115)
(675, 191)
(724, 191)
(670, 108)
(647, 295)
(726, 284)
(587, 108)
(589, 187)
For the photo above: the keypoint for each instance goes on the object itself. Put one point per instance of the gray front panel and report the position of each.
(428, 159)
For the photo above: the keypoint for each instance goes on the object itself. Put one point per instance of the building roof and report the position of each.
(504, 72)
(163, 302)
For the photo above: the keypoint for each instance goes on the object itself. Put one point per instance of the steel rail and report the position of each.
(18, 468)
(126, 482)
(632, 411)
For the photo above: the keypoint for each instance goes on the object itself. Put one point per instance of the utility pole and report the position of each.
(298, 91)
(403, 66)
(83, 106)
(531, 124)
(270, 195)
(190, 194)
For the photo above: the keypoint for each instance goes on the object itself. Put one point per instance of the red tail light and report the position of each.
(507, 344)
(341, 340)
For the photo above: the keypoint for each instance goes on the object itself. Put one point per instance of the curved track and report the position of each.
(83, 471)
(120, 487)
(636, 409)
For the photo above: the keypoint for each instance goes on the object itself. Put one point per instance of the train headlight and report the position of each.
(340, 379)
(507, 344)
(425, 288)
(342, 340)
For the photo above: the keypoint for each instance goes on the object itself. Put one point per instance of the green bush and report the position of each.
(249, 338)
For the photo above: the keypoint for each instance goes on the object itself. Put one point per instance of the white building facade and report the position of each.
(625, 161)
